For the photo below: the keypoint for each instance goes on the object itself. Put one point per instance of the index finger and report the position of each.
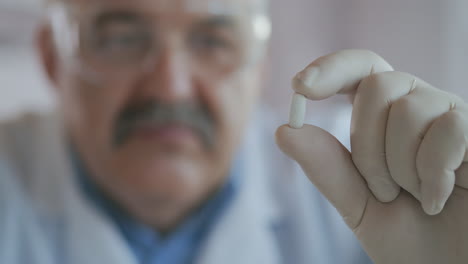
(338, 73)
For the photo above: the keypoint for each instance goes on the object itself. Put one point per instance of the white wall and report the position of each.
(22, 84)
(426, 37)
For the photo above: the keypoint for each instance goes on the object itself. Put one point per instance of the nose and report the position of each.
(169, 79)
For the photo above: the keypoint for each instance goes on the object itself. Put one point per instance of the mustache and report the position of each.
(155, 113)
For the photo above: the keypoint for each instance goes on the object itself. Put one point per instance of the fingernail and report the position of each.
(307, 78)
(433, 207)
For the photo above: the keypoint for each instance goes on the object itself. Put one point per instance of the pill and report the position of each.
(297, 112)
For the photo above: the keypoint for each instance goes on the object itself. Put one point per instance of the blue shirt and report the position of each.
(149, 246)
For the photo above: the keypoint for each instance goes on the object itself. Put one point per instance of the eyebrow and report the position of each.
(116, 16)
(125, 16)
(219, 21)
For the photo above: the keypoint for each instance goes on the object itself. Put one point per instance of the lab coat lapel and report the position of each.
(245, 233)
(88, 237)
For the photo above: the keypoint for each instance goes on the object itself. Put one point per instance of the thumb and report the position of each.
(329, 166)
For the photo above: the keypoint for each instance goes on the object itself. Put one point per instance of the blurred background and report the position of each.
(428, 38)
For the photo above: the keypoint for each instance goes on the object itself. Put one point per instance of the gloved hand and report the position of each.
(408, 159)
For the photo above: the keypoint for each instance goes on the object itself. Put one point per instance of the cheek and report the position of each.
(90, 109)
(239, 97)
(232, 101)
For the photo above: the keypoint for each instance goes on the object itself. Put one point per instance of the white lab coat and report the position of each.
(277, 217)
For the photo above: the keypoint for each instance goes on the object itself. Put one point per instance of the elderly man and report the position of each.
(156, 155)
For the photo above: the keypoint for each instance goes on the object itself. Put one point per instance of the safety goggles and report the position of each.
(113, 38)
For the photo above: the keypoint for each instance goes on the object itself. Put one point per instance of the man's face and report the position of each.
(156, 93)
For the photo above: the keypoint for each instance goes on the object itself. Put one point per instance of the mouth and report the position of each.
(168, 134)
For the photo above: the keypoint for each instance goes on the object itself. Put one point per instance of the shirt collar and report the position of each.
(148, 245)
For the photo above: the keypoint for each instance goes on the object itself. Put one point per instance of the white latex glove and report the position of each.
(408, 148)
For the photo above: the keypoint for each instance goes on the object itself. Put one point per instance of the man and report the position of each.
(153, 157)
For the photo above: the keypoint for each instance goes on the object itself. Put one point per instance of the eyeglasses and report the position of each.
(122, 39)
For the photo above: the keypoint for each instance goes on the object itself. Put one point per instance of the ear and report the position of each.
(47, 52)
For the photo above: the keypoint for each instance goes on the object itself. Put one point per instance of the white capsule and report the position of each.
(298, 110)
